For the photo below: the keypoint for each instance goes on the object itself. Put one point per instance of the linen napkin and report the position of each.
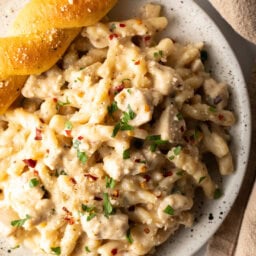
(237, 234)
(240, 14)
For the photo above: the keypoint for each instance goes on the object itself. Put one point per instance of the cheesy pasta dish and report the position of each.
(103, 153)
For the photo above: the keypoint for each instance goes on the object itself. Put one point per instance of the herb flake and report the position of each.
(68, 125)
(62, 104)
(87, 249)
(110, 182)
(155, 141)
(126, 154)
(56, 250)
(33, 183)
(107, 207)
(123, 123)
(82, 156)
(112, 108)
(217, 193)
(201, 179)
(21, 222)
(129, 236)
(91, 216)
(169, 210)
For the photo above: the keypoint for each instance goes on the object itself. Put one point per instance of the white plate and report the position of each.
(188, 23)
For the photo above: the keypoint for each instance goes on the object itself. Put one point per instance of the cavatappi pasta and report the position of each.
(105, 151)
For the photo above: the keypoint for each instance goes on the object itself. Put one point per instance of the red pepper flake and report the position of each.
(30, 162)
(118, 88)
(71, 221)
(114, 251)
(36, 173)
(66, 210)
(97, 198)
(182, 129)
(147, 230)
(41, 120)
(68, 133)
(147, 38)
(80, 137)
(147, 177)
(88, 175)
(122, 25)
(73, 180)
(137, 62)
(221, 117)
(38, 134)
(68, 216)
(168, 174)
(112, 36)
(55, 100)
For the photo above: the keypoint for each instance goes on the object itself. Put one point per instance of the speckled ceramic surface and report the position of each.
(188, 23)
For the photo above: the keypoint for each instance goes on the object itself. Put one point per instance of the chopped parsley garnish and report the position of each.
(56, 250)
(62, 172)
(180, 173)
(155, 141)
(87, 249)
(116, 129)
(179, 116)
(58, 173)
(68, 125)
(62, 103)
(107, 207)
(127, 116)
(21, 222)
(196, 134)
(169, 210)
(33, 183)
(123, 124)
(177, 150)
(212, 109)
(201, 179)
(126, 79)
(112, 108)
(82, 156)
(126, 154)
(76, 144)
(15, 247)
(158, 54)
(86, 208)
(129, 236)
(112, 27)
(91, 216)
(217, 193)
(110, 182)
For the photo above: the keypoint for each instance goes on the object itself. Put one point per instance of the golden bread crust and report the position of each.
(60, 14)
(33, 53)
(41, 33)
(10, 90)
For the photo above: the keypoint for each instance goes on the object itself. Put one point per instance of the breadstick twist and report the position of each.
(40, 35)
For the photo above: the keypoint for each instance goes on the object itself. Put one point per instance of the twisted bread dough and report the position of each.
(40, 35)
